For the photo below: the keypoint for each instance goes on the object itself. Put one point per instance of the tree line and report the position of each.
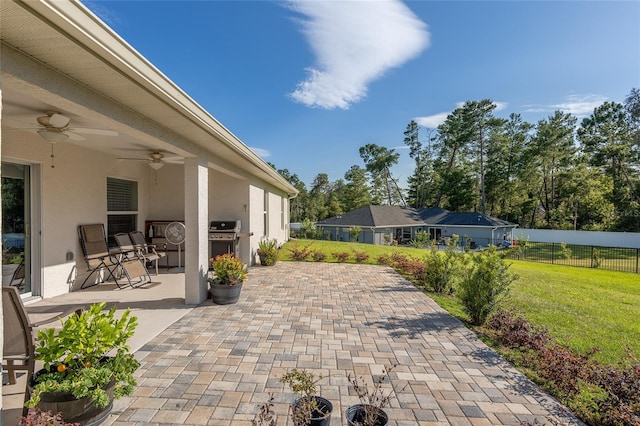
(554, 174)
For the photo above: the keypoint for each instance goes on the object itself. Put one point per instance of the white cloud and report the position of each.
(500, 106)
(432, 121)
(355, 43)
(578, 105)
(263, 153)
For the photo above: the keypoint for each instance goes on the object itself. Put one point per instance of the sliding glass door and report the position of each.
(16, 226)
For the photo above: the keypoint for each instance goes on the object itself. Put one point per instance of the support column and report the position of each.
(196, 212)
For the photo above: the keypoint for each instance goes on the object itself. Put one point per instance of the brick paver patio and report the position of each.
(218, 363)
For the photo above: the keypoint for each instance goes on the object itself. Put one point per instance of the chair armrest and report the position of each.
(57, 317)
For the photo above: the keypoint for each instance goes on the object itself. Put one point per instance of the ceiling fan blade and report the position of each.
(75, 137)
(173, 159)
(97, 132)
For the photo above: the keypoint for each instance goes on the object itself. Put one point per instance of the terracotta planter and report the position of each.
(82, 411)
(225, 294)
(356, 416)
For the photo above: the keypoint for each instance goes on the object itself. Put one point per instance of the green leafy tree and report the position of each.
(421, 181)
(554, 150)
(607, 137)
(357, 191)
(299, 203)
(450, 150)
(505, 166)
(378, 161)
(480, 126)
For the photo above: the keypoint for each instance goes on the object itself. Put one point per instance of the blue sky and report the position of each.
(307, 83)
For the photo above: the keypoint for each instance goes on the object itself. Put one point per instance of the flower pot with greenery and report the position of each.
(268, 251)
(87, 363)
(308, 409)
(226, 283)
(372, 400)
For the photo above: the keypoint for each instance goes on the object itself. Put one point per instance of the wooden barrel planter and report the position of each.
(225, 294)
(82, 411)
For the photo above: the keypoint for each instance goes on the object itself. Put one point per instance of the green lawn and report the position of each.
(582, 307)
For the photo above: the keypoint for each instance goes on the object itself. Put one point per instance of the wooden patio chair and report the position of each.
(19, 340)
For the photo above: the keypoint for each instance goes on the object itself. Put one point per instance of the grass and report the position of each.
(329, 247)
(607, 258)
(581, 307)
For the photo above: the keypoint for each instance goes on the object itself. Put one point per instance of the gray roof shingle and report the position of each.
(394, 216)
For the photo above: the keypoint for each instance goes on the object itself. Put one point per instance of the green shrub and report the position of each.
(421, 240)
(441, 269)
(483, 282)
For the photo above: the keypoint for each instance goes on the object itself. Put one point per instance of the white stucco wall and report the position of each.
(74, 192)
(276, 202)
(165, 190)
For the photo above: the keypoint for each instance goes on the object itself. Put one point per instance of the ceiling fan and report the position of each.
(157, 159)
(54, 127)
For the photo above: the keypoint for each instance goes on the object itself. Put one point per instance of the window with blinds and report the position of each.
(122, 207)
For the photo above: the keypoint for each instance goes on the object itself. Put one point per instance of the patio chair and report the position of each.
(17, 279)
(97, 256)
(131, 259)
(19, 341)
(149, 251)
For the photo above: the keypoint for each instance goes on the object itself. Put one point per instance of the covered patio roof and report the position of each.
(58, 56)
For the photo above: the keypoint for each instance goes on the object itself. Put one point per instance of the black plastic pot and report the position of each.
(321, 416)
(264, 261)
(355, 416)
(225, 294)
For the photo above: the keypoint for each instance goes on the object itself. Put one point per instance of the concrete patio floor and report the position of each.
(213, 365)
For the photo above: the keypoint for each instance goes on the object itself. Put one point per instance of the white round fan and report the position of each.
(175, 233)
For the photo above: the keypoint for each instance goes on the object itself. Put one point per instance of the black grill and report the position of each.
(223, 237)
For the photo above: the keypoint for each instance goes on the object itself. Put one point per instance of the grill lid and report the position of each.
(230, 226)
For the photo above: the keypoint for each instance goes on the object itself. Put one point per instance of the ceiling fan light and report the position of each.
(59, 120)
(156, 165)
(52, 136)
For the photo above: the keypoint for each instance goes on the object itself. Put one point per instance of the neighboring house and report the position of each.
(385, 224)
(121, 128)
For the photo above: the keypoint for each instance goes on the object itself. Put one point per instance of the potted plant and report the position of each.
(308, 409)
(372, 401)
(87, 363)
(226, 283)
(268, 251)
